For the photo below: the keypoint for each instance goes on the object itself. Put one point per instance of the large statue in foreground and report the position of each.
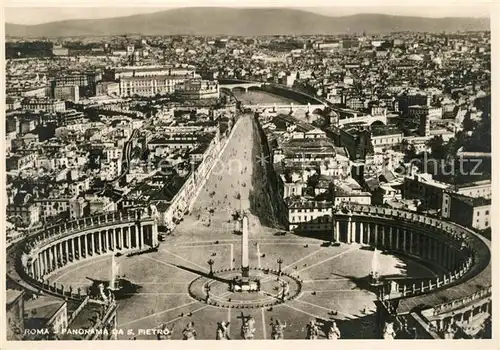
(312, 330)
(189, 333)
(247, 327)
(165, 333)
(277, 330)
(389, 332)
(333, 332)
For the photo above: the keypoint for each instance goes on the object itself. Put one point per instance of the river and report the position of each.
(255, 97)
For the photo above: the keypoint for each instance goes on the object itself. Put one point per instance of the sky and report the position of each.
(35, 15)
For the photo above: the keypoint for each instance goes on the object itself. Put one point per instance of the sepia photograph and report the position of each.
(301, 172)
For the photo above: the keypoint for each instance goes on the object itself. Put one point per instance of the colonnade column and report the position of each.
(49, 259)
(411, 243)
(426, 247)
(120, 237)
(127, 237)
(435, 251)
(106, 240)
(447, 258)
(141, 235)
(86, 245)
(337, 231)
(361, 232)
(35, 268)
(66, 247)
(116, 234)
(383, 235)
(398, 231)
(417, 244)
(44, 263)
(55, 254)
(40, 267)
(349, 230)
(61, 253)
(376, 236)
(390, 237)
(353, 232)
(99, 246)
(446, 255)
(368, 233)
(50, 255)
(53, 258)
(92, 242)
(404, 240)
(441, 254)
(112, 240)
(137, 245)
(154, 239)
(450, 258)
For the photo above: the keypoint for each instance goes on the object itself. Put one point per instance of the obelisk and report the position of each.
(244, 247)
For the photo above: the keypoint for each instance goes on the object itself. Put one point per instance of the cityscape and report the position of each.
(245, 177)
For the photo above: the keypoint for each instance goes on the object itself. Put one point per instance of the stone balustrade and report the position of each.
(462, 302)
(77, 240)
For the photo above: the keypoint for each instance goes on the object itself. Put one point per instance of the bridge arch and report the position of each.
(238, 88)
(318, 111)
(254, 88)
(377, 122)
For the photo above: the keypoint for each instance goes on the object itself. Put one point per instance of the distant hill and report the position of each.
(244, 22)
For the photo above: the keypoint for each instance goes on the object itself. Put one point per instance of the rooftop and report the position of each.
(12, 295)
(41, 309)
(472, 201)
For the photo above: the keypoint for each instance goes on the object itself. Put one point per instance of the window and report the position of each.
(487, 212)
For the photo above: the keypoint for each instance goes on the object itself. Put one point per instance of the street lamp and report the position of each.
(279, 261)
(207, 290)
(210, 263)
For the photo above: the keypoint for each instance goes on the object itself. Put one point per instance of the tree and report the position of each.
(468, 124)
(411, 153)
(404, 145)
(437, 146)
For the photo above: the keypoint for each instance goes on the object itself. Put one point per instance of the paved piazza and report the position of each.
(327, 275)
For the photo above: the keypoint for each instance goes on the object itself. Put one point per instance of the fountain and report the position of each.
(116, 287)
(115, 268)
(375, 272)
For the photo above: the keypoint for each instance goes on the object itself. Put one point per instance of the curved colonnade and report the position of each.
(86, 238)
(462, 257)
(462, 288)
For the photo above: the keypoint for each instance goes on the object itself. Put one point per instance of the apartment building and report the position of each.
(425, 188)
(308, 215)
(467, 211)
(149, 85)
(43, 105)
(67, 93)
(476, 189)
(197, 89)
(117, 73)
